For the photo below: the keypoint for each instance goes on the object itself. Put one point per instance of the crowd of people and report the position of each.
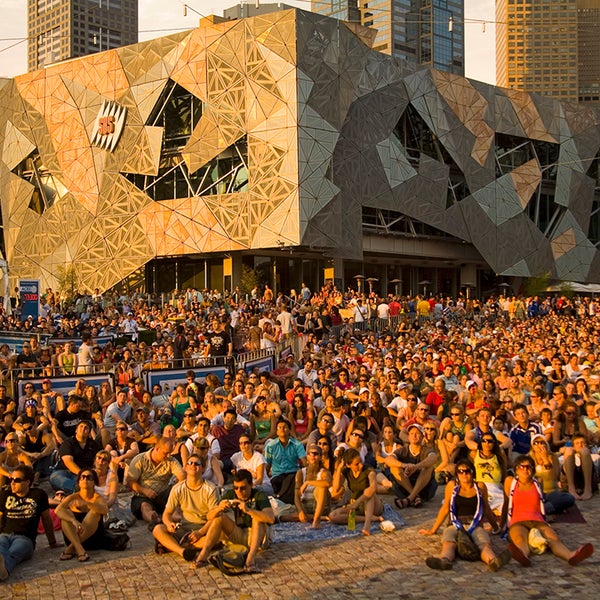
(498, 401)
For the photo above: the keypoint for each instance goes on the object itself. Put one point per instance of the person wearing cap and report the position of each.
(144, 431)
(311, 498)
(52, 401)
(400, 401)
(75, 453)
(547, 472)
(411, 468)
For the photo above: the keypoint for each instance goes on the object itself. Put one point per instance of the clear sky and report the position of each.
(161, 17)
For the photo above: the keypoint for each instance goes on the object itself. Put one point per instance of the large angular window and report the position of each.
(45, 187)
(593, 233)
(178, 112)
(415, 136)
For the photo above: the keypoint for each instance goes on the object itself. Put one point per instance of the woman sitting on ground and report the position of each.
(466, 505)
(108, 483)
(491, 466)
(312, 497)
(81, 517)
(547, 472)
(524, 510)
(362, 483)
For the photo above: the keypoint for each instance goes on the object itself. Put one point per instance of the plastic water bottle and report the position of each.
(352, 520)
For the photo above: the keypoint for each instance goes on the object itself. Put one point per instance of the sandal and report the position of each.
(83, 557)
(417, 502)
(252, 570)
(401, 503)
(66, 555)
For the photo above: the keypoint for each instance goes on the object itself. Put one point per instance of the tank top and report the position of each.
(525, 504)
(466, 507)
(487, 470)
(383, 451)
(546, 478)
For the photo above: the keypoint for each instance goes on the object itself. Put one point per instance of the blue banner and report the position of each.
(29, 293)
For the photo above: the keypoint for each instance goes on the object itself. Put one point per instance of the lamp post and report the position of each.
(359, 280)
(371, 281)
(396, 283)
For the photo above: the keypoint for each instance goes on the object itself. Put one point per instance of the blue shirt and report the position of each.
(521, 438)
(284, 459)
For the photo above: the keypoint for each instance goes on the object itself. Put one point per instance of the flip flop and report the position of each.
(521, 558)
(581, 554)
(252, 570)
(83, 557)
(417, 503)
(66, 556)
(401, 503)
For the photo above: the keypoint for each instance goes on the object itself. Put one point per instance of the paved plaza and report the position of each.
(382, 566)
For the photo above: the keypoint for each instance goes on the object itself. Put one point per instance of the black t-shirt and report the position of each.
(21, 515)
(67, 422)
(83, 457)
(219, 343)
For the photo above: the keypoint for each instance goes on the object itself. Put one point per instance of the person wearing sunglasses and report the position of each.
(81, 516)
(242, 517)
(524, 510)
(465, 507)
(547, 472)
(21, 507)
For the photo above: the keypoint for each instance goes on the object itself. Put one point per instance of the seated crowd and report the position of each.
(327, 433)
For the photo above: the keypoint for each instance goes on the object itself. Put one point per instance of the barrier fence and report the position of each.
(263, 360)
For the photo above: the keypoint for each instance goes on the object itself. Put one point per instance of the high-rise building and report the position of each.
(588, 46)
(550, 47)
(429, 32)
(62, 29)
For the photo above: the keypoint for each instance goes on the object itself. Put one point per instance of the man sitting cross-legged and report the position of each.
(193, 499)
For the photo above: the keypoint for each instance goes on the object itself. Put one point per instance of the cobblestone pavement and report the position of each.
(382, 566)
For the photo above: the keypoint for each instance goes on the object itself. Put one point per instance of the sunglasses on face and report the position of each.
(358, 435)
(17, 479)
(463, 471)
(194, 463)
(525, 467)
(89, 477)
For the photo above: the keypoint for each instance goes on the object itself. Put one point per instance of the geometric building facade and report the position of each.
(285, 129)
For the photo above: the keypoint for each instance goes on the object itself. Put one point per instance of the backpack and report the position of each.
(115, 541)
(230, 560)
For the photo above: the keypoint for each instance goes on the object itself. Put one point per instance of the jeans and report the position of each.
(15, 549)
(61, 479)
(558, 501)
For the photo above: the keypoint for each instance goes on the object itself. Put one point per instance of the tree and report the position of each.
(68, 282)
(249, 280)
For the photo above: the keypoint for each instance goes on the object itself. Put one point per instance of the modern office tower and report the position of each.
(551, 47)
(429, 32)
(242, 10)
(62, 29)
(588, 46)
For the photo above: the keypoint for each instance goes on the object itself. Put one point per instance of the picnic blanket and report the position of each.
(301, 532)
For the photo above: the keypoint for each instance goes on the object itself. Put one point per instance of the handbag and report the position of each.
(466, 548)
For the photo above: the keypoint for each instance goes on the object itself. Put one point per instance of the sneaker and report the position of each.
(3, 570)
(502, 559)
(440, 564)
